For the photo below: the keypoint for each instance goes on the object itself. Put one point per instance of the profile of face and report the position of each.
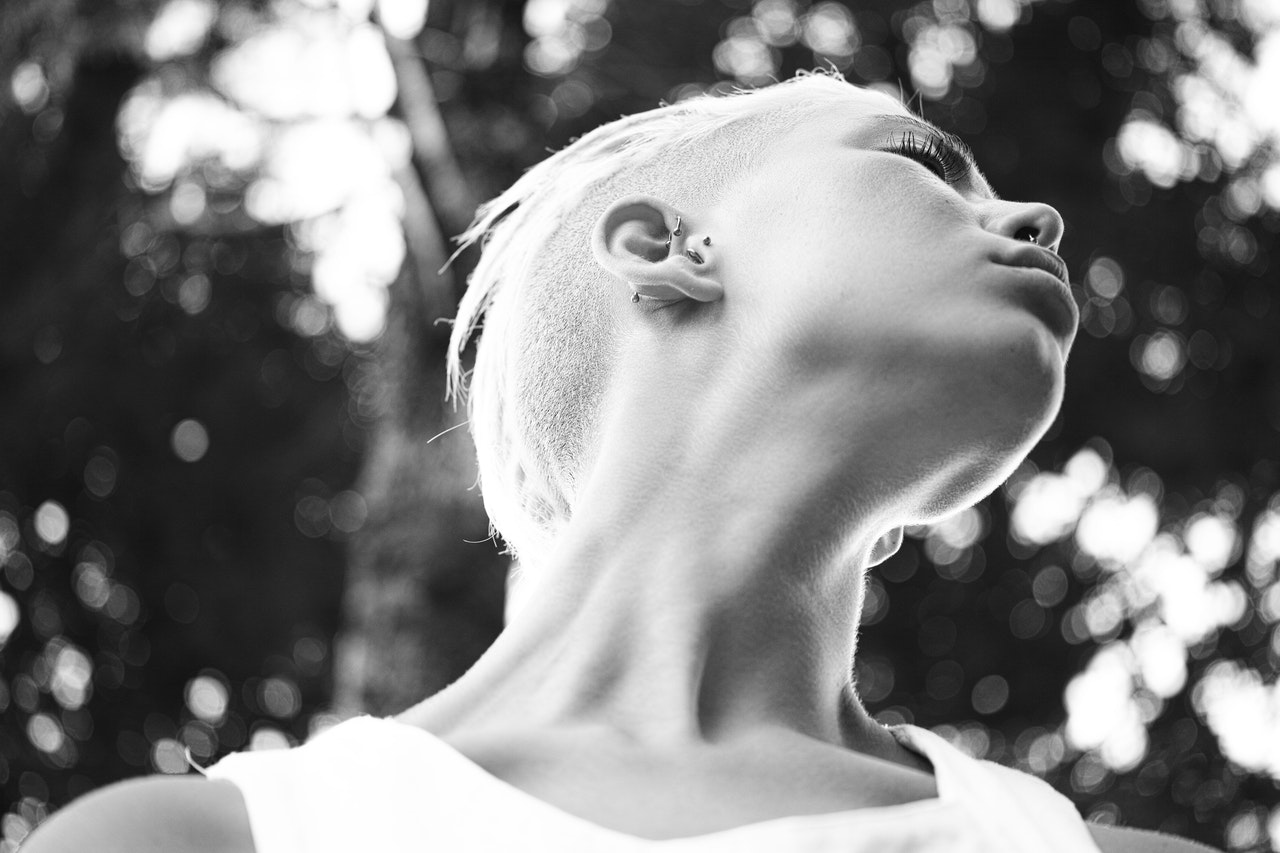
(866, 262)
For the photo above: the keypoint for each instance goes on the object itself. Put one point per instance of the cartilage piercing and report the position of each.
(693, 256)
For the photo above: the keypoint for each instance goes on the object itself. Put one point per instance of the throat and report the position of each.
(672, 652)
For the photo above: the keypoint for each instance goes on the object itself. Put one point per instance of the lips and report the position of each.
(1036, 257)
(1055, 295)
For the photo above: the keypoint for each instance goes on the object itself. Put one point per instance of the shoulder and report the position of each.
(160, 813)
(1124, 839)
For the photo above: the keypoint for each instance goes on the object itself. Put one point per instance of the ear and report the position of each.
(886, 546)
(634, 241)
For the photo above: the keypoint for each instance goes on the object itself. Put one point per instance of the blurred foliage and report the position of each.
(222, 222)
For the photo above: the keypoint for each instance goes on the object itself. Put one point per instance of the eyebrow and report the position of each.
(942, 136)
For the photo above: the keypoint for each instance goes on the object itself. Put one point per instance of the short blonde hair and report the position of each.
(546, 350)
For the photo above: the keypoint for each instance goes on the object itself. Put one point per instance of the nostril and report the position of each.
(1031, 235)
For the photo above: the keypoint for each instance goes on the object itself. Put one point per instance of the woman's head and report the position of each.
(859, 254)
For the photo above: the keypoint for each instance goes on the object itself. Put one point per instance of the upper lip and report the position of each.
(1037, 257)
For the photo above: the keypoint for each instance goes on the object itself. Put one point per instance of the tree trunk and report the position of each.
(424, 590)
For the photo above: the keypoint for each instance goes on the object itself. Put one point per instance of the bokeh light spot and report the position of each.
(348, 511)
(100, 474)
(45, 733)
(206, 697)
(1114, 528)
(29, 87)
(990, 694)
(189, 440)
(194, 293)
(279, 697)
(1105, 278)
(72, 680)
(402, 19)
(875, 678)
(52, 522)
(169, 756)
(266, 737)
(999, 15)
(1049, 586)
(10, 616)
(180, 28)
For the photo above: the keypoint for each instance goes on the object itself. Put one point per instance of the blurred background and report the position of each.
(224, 521)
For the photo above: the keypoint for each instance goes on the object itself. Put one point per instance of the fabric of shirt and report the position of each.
(378, 785)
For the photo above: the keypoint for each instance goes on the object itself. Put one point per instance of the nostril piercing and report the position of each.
(1029, 234)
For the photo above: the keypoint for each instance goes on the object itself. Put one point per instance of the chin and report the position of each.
(1024, 389)
(993, 424)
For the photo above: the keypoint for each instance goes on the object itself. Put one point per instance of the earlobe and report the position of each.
(886, 546)
(647, 243)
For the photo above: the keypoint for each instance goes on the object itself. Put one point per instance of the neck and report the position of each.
(717, 592)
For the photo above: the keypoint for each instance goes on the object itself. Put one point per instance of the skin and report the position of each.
(681, 664)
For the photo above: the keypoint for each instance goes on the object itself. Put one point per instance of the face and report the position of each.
(895, 282)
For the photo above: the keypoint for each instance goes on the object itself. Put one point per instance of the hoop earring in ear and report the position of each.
(692, 254)
(696, 256)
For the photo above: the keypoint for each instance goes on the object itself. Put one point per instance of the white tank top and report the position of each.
(377, 785)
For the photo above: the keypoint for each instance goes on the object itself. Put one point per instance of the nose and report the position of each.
(1025, 220)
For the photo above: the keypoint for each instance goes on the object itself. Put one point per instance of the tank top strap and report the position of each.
(1022, 810)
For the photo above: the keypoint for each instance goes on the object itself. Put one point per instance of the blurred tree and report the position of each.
(165, 441)
(422, 600)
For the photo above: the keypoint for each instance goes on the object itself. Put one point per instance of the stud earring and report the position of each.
(635, 296)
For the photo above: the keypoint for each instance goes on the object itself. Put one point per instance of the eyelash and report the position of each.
(936, 156)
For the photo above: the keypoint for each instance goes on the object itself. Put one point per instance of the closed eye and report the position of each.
(941, 158)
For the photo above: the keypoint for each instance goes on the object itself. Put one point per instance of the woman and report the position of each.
(731, 347)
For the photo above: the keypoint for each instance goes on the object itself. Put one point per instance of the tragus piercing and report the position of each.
(693, 256)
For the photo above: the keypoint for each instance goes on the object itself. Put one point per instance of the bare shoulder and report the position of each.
(1124, 839)
(160, 814)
